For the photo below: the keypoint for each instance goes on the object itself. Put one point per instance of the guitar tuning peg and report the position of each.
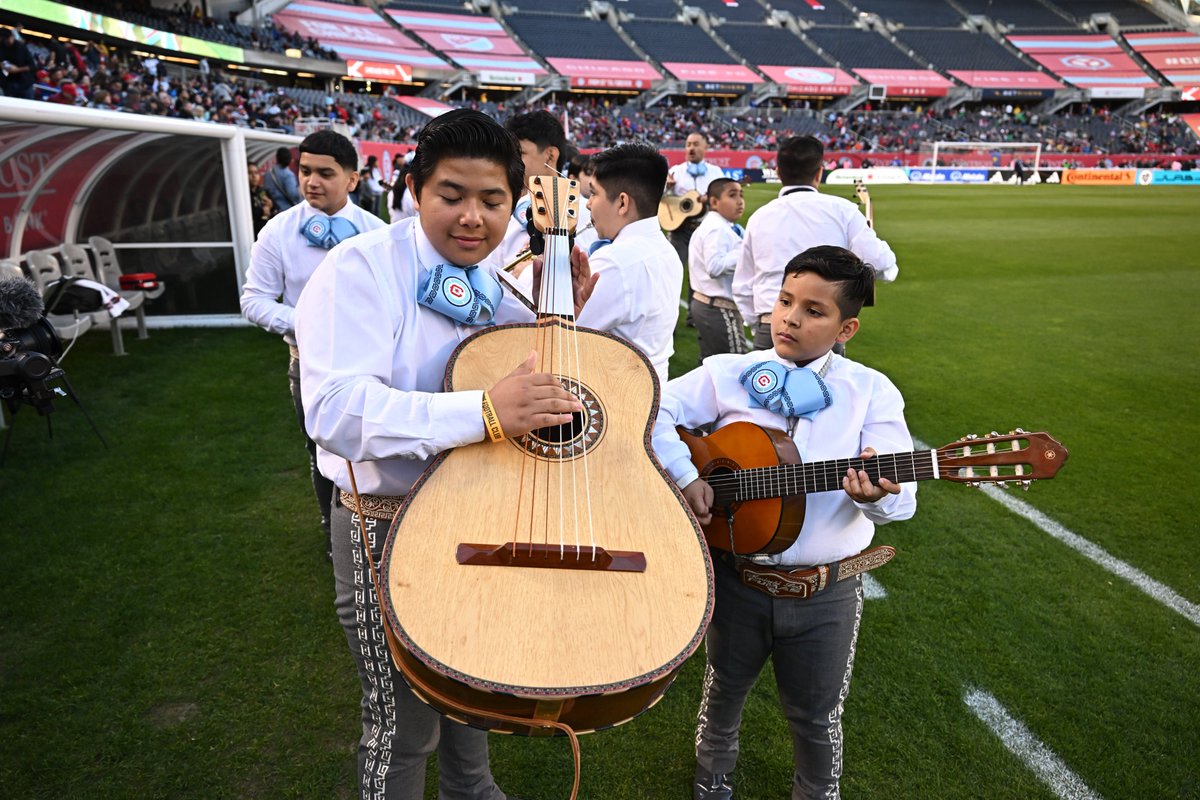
(1002, 484)
(1019, 431)
(970, 437)
(976, 484)
(993, 434)
(1025, 485)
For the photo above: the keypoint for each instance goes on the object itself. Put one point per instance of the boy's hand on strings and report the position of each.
(699, 496)
(858, 484)
(525, 400)
(583, 282)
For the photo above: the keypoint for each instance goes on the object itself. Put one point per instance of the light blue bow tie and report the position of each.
(698, 169)
(739, 230)
(596, 245)
(468, 295)
(795, 392)
(323, 231)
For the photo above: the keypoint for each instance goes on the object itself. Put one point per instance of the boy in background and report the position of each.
(712, 257)
(641, 276)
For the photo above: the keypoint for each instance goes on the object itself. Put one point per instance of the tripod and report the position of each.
(39, 396)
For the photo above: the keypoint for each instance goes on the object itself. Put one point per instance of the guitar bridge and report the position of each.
(550, 556)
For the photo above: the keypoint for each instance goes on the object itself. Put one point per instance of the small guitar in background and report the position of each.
(864, 198)
(759, 483)
(674, 210)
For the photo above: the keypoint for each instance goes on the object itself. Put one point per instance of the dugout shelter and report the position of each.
(172, 195)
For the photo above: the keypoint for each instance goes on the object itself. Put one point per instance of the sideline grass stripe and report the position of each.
(1158, 591)
(1040, 759)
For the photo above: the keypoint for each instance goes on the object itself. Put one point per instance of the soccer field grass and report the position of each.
(168, 630)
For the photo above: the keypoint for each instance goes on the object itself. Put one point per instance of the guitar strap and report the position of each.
(416, 682)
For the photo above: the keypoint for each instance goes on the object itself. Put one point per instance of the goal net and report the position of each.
(994, 155)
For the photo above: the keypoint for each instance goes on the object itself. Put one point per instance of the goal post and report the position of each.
(994, 155)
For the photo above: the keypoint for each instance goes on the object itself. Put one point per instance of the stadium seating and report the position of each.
(858, 48)
(557, 36)
(961, 50)
(676, 42)
(1025, 15)
(648, 9)
(829, 13)
(760, 44)
(922, 13)
(1126, 13)
(745, 11)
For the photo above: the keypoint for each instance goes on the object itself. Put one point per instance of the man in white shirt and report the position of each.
(694, 174)
(798, 219)
(640, 276)
(544, 152)
(288, 250)
(712, 257)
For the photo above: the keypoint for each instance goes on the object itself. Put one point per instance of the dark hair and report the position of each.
(335, 145)
(465, 133)
(636, 168)
(543, 129)
(578, 165)
(855, 279)
(283, 156)
(800, 160)
(718, 186)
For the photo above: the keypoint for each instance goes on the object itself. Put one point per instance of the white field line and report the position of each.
(1158, 591)
(1040, 759)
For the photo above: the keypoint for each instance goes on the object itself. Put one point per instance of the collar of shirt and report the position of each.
(428, 256)
(786, 190)
(642, 229)
(814, 365)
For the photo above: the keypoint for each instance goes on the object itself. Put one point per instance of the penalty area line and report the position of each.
(1039, 759)
(1156, 590)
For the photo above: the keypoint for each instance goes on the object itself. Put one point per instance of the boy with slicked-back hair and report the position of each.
(376, 325)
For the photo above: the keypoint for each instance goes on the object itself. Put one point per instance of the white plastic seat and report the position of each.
(79, 264)
(43, 268)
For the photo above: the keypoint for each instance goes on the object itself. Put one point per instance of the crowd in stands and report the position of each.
(189, 19)
(98, 76)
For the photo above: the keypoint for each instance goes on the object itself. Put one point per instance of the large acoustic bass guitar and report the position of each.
(553, 580)
(759, 483)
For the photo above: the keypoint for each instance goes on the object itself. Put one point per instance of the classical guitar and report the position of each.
(674, 210)
(759, 482)
(522, 586)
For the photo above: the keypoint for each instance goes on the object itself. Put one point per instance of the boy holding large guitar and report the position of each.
(800, 606)
(376, 325)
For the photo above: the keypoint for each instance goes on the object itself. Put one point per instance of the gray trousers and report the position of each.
(322, 486)
(399, 731)
(719, 329)
(811, 645)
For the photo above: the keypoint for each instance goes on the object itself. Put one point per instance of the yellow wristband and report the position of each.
(491, 421)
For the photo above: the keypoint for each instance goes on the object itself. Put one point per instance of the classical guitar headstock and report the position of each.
(860, 191)
(1019, 456)
(555, 204)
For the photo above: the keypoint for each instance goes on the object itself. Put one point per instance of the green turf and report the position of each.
(167, 625)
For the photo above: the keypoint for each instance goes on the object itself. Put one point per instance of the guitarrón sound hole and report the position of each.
(558, 434)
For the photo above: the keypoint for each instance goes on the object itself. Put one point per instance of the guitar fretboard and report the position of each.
(819, 476)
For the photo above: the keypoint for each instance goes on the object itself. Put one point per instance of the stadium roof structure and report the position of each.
(68, 173)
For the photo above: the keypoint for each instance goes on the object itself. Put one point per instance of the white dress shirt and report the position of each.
(637, 294)
(685, 182)
(713, 254)
(867, 411)
(374, 361)
(281, 263)
(800, 218)
(407, 207)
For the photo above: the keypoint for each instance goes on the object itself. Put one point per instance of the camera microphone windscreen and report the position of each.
(20, 303)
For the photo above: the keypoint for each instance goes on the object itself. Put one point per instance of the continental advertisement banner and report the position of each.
(120, 29)
(1099, 177)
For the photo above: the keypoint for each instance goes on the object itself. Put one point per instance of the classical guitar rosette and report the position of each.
(571, 441)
